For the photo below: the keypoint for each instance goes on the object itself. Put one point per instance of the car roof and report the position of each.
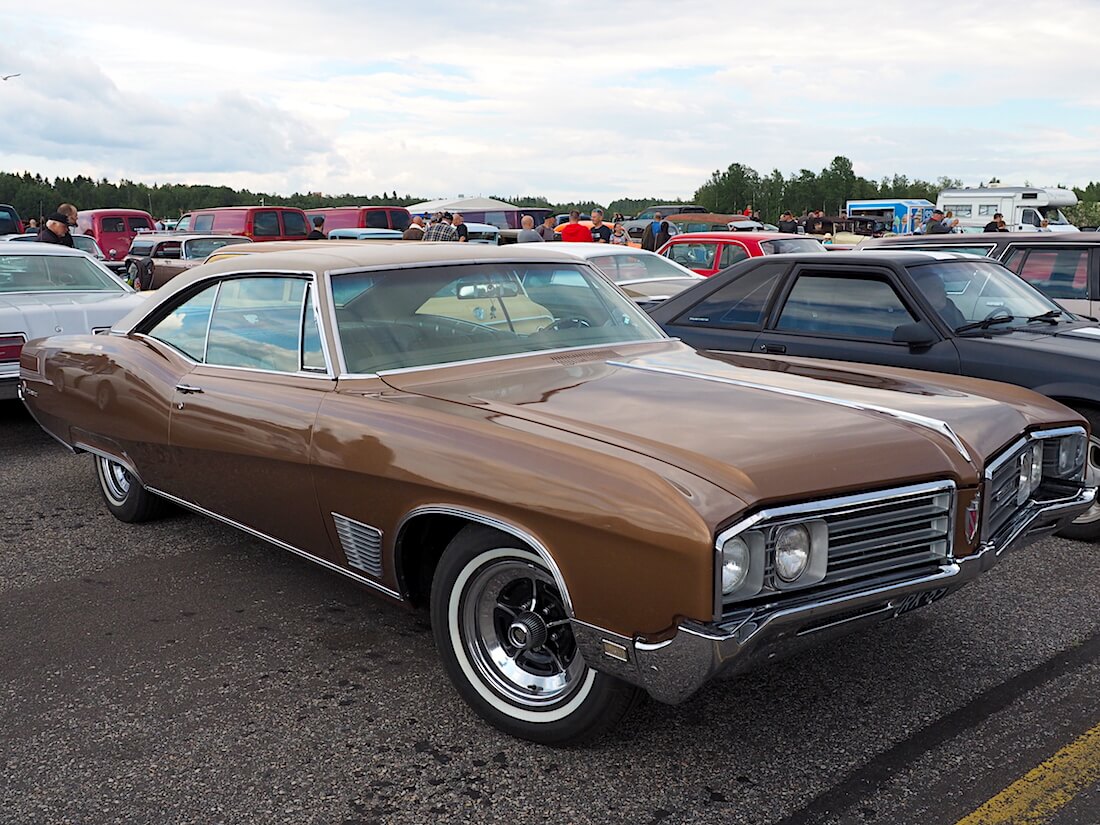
(969, 238)
(35, 248)
(727, 236)
(584, 250)
(120, 210)
(180, 236)
(899, 256)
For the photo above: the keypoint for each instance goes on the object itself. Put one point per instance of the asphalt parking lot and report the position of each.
(181, 672)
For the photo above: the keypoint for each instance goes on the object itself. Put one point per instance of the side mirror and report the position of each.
(917, 336)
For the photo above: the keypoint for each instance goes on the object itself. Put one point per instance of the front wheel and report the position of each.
(1086, 527)
(126, 499)
(505, 638)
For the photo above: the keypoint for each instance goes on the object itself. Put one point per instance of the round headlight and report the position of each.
(792, 552)
(735, 564)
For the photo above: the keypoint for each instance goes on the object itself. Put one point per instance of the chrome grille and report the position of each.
(362, 544)
(1002, 485)
(889, 535)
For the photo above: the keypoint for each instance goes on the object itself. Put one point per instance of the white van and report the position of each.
(1023, 207)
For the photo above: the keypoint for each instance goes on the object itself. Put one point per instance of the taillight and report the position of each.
(10, 347)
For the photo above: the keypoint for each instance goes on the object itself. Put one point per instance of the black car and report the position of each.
(10, 224)
(1064, 266)
(932, 311)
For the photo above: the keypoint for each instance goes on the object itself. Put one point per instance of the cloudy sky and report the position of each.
(562, 99)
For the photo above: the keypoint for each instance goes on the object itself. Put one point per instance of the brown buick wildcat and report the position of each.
(588, 508)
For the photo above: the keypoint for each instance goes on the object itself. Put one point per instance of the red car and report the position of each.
(709, 252)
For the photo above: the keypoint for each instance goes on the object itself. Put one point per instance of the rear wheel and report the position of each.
(126, 499)
(1086, 527)
(505, 638)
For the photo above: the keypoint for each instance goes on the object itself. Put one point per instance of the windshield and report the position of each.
(50, 273)
(640, 267)
(966, 292)
(1053, 215)
(440, 315)
(785, 245)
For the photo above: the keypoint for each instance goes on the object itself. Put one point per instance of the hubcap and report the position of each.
(116, 478)
(517, 634)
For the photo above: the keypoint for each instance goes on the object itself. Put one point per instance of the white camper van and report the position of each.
(1023, 207)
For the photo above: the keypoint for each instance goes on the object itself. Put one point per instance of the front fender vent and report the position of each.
(362, 544)
(570, 358)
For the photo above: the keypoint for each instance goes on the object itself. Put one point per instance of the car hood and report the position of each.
(49, 313)
(761, 428)
(1081, 338)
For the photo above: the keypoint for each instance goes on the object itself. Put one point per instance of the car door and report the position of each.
(242, 420)
(729, 317)
(1065, 274)
(850, 313)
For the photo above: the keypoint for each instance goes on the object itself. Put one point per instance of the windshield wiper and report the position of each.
(986, 323)
(1050, 316)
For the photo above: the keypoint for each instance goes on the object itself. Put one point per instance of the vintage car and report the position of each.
(931, 311)
(172, 253)
(47, 289)
(85, 243)
(645, 276)
(365, 234)
(389, 412)
(1063, 266)
(709, 252)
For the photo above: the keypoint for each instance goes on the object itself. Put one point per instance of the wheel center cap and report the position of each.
(527, 632)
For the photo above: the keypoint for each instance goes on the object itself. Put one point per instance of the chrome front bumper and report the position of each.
(673, 669)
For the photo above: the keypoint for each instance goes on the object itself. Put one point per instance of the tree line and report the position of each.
(725, 192)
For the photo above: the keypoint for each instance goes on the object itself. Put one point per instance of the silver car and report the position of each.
(46, 289)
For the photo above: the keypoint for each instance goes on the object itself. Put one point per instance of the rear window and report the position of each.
(140, 224)
(54, 273)
(376, 219)
(229, 221)
(265, 224)
(9, 224)
(399, 219)
(112, 225)
(786, 245)
(204, 223)
(294, 223)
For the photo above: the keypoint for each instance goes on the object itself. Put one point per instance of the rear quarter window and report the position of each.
(740, 303)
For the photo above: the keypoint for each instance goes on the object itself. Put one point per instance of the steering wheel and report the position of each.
(993, 313)
(565, 323)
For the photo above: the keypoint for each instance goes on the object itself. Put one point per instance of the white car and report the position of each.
(46, 289)
(646, 277)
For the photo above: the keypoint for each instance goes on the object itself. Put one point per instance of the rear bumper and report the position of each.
(674, 669)
(9, 383)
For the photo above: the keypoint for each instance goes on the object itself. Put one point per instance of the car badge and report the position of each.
(973, 519)
(58, 328)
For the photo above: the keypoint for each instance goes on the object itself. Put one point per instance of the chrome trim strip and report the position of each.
(491, 521)
(934, 424)
(315, 375)
(209, 276)
(83, 446)
(279, 543)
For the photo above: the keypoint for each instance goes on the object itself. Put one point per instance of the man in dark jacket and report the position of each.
(318, 231)
(937, 226)
(787, 223)
(56, 230)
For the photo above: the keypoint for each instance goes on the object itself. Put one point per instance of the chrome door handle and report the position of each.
(774, 349)
(188, 389)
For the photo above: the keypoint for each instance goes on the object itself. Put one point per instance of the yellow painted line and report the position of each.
(1038, 795)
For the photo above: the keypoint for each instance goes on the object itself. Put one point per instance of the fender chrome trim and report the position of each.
(393, 594)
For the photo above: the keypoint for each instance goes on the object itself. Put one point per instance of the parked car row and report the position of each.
(588, 508)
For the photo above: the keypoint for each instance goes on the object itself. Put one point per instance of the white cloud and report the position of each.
(491, 97)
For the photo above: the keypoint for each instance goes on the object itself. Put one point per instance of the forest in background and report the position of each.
(725, 191)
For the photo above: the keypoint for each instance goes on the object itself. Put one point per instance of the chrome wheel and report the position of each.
(516, 633)
(116, 480)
